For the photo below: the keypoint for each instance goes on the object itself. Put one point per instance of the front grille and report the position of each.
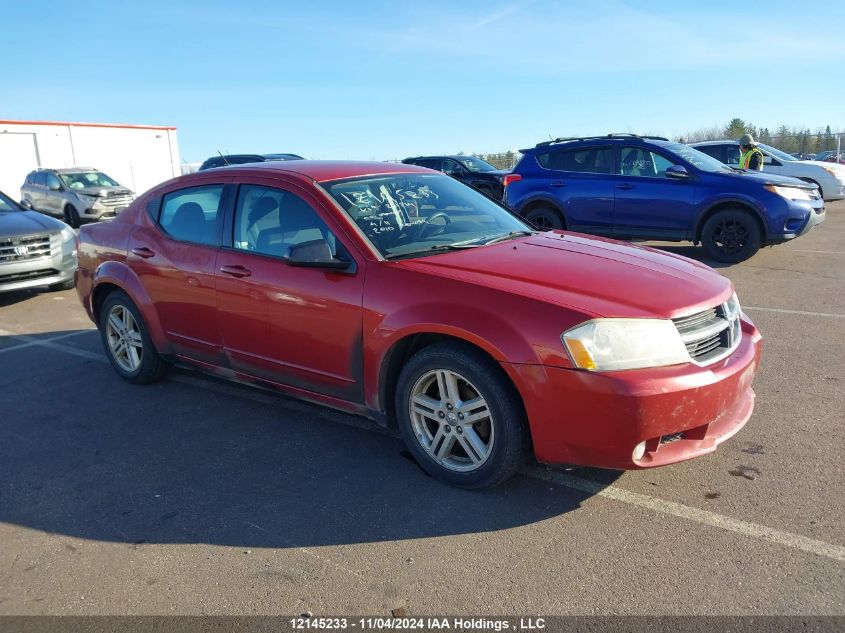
(117, 199)
(16, 249)
(28, 275)
(711, 334)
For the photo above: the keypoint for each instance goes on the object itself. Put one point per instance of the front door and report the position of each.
(175, 262)
(292, 325)
(650, 205)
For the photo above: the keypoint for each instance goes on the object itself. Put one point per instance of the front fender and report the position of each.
(706, 205)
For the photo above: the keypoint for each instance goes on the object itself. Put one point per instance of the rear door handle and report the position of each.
(143, 251)
(236, 271)
(558, 183)
(625, 186)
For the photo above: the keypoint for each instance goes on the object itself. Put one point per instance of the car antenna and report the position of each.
(225, 162)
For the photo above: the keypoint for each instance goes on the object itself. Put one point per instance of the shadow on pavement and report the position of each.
(84, 454)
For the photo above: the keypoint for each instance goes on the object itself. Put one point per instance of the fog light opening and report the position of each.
(639, 451)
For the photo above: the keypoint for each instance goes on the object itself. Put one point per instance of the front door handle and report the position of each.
(143, 251)
(625, 186)
(558, 183)
(236, 271)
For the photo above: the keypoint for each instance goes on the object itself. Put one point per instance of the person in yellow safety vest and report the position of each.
(750, 157)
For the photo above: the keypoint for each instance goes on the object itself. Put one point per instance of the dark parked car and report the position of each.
(394, 292)
(240, 159)
(468, 169)
(633, 187)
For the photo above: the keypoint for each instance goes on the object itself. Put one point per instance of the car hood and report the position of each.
(18, 223)
(95, 191)
(595, 275)
(770, 179)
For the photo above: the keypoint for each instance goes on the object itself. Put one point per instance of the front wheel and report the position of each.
(126, 342)
(460, 417)
(545, 218)
(72, 218)
(731, 236)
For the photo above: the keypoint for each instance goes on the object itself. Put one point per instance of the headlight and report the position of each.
(835, 171)
(614, 344)
(790, 193)
(68, 234)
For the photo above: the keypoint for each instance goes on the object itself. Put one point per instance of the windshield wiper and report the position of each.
(508, 236)
(457, 246)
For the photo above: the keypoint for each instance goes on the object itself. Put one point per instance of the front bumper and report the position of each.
(596, 419)
(58, 268)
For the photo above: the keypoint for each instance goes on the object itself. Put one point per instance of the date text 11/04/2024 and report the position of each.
(418, 624)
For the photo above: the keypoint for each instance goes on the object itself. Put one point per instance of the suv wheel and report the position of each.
(126, 341)
(460, 417)
(730, 236)
(545, 218)
(72, 216)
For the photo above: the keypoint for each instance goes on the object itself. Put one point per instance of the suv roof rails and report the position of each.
(567, 139)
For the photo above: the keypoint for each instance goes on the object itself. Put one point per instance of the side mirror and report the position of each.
(316, 254)
(678, 172)
(55, 187)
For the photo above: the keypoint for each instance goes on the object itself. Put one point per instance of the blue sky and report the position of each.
(386, 79)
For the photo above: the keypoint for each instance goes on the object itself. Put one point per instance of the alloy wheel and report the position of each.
(451, 420)
(730, 236)
(124, 338)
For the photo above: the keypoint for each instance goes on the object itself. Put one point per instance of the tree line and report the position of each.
(788, 139)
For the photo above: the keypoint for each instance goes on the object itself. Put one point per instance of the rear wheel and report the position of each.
(72, 216)
(460, 417)
(126, 341)
(545, 218)
(731, 236)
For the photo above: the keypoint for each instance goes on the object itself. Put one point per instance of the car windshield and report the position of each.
(777, 153)
(83, 179)
(476, 164)
(417, 214)
(696, 158)
(7, 204)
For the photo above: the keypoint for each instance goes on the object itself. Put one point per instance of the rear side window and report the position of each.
(587, 160)
(192, 214)
(711, 150)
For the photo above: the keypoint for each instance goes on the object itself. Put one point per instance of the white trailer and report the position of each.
(137, 156)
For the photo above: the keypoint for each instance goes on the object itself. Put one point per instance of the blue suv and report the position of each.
(644, 187)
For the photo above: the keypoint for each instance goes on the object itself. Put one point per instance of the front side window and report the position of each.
(51, 181)
(81, 180)
(6, 204)
(192, 214)
(41, 178)
(638, 161)
(420, 214)
(271, 221)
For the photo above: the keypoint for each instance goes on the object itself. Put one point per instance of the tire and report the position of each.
(731, 236)
(72, 217)
(65, 285)
(143, 366)
(545, 218)
(438, 432)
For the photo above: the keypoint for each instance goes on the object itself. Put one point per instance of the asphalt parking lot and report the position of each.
(194, 496)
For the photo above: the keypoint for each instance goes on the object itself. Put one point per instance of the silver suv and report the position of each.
(34, 250)
(76, 195)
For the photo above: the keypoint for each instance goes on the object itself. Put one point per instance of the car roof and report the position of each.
(325, 170)
(73, 170)
(727, 140)
(564, 142)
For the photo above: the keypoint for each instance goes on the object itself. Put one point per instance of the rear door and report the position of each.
(580, 179)
(648, 204)
(175, 262)
(292, 325)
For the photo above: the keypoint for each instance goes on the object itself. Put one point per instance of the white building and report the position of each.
(137, 156)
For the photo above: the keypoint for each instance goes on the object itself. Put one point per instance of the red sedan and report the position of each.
(398, 293)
